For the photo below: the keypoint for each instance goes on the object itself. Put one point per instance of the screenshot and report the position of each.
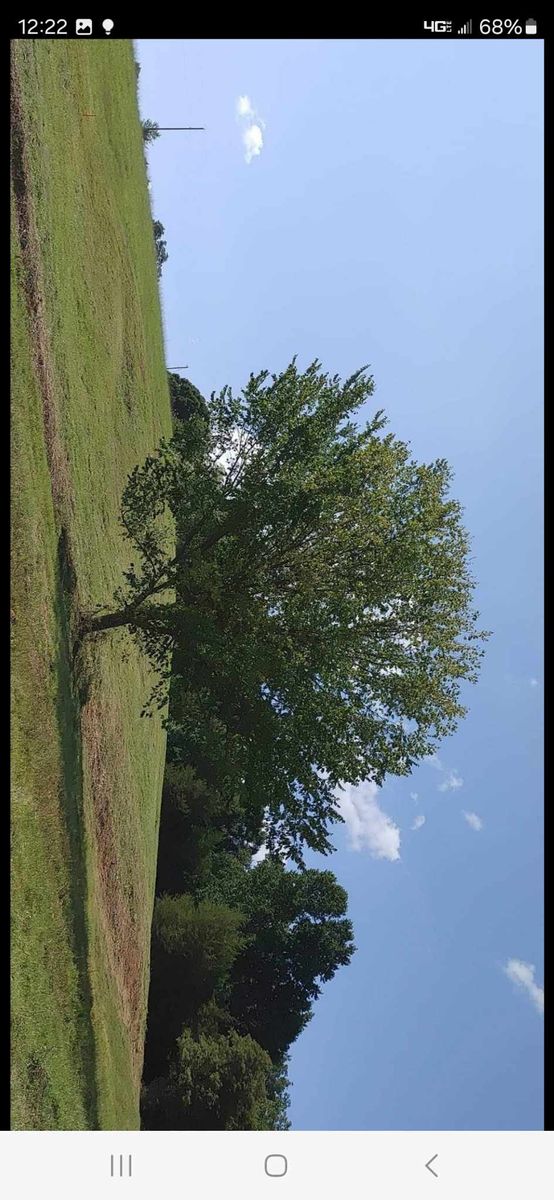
(276, 611)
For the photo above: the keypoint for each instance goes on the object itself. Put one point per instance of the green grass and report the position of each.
(87, 769)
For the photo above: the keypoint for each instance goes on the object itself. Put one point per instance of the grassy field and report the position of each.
(89, 400)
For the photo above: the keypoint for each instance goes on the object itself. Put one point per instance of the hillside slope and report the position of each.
(89, 400)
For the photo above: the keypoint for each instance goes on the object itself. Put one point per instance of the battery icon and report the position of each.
(530, 25)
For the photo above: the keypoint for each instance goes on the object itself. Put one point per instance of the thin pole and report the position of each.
(166, 128)
(185, 368)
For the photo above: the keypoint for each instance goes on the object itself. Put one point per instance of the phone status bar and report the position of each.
(176, 26)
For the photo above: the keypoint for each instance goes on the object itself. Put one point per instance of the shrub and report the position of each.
(150, 131)
(160, 246)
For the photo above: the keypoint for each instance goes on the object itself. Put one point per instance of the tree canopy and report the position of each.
(220, 1082)
(160, 245)
(295, 937)
(186, 400)
(193, 948)
(318, 604)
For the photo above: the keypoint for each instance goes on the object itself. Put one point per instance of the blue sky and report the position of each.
(394, 217)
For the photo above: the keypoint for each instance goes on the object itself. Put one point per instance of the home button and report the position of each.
(275, 1165)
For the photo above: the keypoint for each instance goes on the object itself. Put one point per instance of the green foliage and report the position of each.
(186, 400)
(160, 245)
(213, 1018)
(219, 1082)
(322, 617)
(194, 830)
(150, 130)
(199, 939)
(277, 1087)
(297, 935)
(199, 737)
(193, 949)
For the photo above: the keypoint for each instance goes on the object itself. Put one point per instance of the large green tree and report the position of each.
(220, 1082)
(320, 590)
(295, 937)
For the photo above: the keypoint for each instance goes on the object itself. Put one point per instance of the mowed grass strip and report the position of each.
(87, 769)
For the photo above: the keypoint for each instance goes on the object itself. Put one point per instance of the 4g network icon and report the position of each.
(437, 26)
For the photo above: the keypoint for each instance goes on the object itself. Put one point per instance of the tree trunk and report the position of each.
(115, 620)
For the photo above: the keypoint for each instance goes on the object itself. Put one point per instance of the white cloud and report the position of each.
(533, 683)
(414, 796)
(473, 820)
(523, 975)
(433, 760)
(451, 782)
(419, 821)
(252, 135)
(253, 142)
(244, 107)
(369, 828)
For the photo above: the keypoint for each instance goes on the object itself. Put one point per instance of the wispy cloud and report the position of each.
(369, 828)
(419, 821)
(252, 134)
(533, 682)
(451, 782)
(414, 796)
(523, 975)
(451, 779)
(473, 820)
(244, 107)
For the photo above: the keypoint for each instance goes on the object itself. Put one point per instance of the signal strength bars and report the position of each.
(466, 29)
